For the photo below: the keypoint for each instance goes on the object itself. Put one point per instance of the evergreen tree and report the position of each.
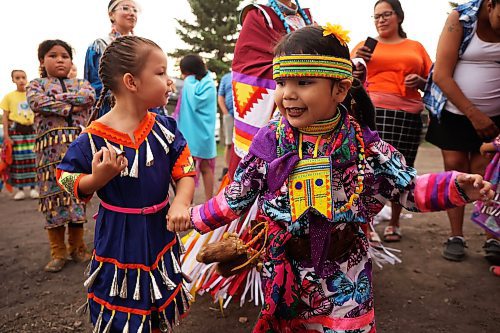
(214, 33)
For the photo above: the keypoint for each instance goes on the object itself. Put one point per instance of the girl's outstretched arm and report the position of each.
(397, 182)
(236, 199)
(178, 218)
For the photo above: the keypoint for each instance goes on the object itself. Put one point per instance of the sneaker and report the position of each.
(454, 249)
(34, 194)
(492, 251)
(19, 195)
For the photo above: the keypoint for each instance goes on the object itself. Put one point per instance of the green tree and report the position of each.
(214, 33)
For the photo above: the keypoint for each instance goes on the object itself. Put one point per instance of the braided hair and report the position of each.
(275, 7)
(126, 54)
(46, 46)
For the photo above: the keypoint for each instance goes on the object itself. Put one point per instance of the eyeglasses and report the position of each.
(384, 15)
(128, 9)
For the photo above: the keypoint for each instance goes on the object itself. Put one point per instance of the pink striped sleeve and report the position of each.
(212, 214)
(438, 191)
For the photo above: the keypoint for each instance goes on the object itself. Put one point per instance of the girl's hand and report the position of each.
(106, 165)
(178, 217)
(475, 187)
(484, 126)
(365, 53)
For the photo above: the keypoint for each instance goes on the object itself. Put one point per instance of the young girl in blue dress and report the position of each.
(129, 156)
(318, 174)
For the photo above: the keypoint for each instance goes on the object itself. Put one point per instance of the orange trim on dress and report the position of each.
(136, 266)
(59, 173)
(140, 134)
(139, 312)
(184, 165)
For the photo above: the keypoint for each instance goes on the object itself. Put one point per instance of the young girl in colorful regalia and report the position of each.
(129, 156)
(318, 174)
(62, 107)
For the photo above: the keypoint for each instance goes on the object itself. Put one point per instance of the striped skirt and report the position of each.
(23, 168)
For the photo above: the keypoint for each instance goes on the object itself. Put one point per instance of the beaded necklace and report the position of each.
(274, 5)
(325, 126)
(361, 164)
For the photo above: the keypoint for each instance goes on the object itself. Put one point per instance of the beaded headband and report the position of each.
(312, 65)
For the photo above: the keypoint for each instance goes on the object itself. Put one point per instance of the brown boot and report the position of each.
(77, 248)
(57, 249)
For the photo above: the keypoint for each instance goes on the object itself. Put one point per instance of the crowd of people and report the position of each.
(318, 139)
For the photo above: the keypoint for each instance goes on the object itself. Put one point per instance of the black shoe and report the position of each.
(454, 249)
(224, 171)
(492, 251)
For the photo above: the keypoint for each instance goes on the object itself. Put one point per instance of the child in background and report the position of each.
(129, 156)
(488, 216)
(62, 106)
(318, 175)
(19, 132)
(197, 115)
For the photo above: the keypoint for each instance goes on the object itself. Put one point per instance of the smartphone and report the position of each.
(371, 43)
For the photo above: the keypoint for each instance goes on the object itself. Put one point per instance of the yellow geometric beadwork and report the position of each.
(309, 186)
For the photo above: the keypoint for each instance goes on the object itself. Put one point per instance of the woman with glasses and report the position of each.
(123, 16)
(397, 69)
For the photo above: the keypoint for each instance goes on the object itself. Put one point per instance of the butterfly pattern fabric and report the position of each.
(297, 298)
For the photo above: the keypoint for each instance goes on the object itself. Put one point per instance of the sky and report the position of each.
(28, 22)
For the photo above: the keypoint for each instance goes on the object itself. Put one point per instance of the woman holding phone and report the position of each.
(397, 67)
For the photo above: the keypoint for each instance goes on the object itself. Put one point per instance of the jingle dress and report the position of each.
(304, 183)
(57, 125)
(135, 281)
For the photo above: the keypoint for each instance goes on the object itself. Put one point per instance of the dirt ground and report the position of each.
(423, 294)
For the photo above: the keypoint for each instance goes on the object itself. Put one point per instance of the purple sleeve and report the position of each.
(235, 200)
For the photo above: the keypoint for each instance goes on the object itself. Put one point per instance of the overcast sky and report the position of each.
(28, 22)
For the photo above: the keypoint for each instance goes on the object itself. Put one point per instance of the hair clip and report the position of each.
(338, 32)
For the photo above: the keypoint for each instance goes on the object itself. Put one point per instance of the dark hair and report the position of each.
(396, 6)
(495, 2)
(310, 40)
(46, 46)
(126, 54)
(16, 70)
(193, 64)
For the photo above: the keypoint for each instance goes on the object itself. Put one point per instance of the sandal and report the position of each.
(55, 265)
(392, 234)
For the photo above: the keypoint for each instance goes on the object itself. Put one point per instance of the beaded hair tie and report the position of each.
(312, 65)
